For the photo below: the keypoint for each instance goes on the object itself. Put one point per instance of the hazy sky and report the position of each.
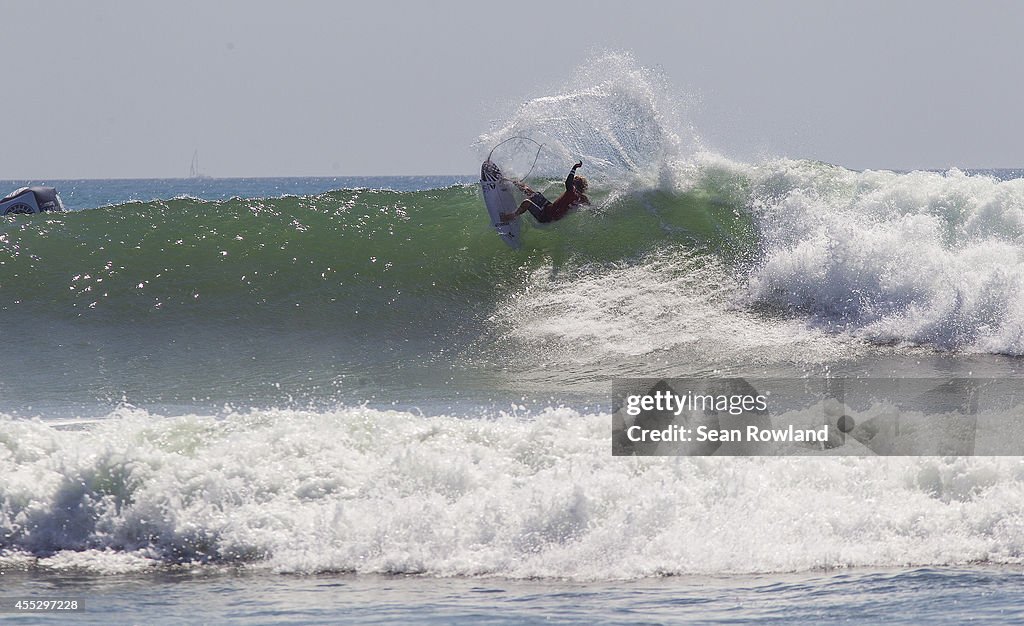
(130, 89)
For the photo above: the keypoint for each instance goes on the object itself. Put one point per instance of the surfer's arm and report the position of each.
(571, 176)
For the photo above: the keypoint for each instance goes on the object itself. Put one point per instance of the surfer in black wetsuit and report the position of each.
(546, 211)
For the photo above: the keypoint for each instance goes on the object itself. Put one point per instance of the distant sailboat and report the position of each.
(194, 171)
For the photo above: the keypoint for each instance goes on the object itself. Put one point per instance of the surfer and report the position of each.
(546, 211)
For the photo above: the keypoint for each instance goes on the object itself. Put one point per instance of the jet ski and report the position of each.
(31, 200)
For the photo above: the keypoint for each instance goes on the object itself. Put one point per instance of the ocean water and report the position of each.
(345, 400)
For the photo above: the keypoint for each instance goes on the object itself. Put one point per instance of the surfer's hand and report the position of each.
(580, 164)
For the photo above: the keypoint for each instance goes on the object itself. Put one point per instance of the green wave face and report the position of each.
(344, 253)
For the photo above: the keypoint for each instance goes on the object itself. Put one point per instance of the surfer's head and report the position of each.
(580, 183)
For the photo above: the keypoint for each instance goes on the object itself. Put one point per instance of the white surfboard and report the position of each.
(499, 199)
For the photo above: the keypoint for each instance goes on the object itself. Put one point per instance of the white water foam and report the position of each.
(686, 309)
(923, 257)
(373, 491)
